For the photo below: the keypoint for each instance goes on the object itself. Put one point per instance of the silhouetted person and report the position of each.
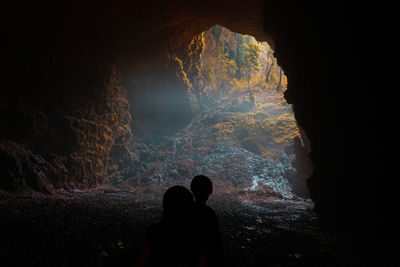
(175, 241)
(206, 219)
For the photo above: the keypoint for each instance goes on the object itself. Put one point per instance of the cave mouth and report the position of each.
(241, 132)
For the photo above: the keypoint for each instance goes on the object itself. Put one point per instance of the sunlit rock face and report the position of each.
(236, 126)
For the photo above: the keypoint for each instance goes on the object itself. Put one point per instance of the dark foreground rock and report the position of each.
(106, 229)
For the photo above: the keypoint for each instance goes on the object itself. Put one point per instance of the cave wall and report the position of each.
(66, 64)
(322, 48)
(78, 144)
(66, 67)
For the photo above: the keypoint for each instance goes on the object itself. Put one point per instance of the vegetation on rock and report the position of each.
(242, 130)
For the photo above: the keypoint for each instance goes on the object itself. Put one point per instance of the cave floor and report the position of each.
(106, 229)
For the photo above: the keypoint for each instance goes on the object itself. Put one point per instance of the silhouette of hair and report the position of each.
(177, 204)
(201, 187)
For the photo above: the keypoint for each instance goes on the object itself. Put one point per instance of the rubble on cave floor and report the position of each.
(106, 228)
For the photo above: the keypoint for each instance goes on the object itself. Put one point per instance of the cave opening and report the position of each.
(218, 109)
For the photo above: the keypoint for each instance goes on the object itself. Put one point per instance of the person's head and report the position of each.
(177, 205)
(201, 188)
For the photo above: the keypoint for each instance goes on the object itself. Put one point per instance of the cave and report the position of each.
(87, 86)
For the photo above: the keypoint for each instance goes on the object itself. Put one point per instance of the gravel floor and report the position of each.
(106, 229)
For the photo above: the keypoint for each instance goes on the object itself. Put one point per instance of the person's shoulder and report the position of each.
(207, 210)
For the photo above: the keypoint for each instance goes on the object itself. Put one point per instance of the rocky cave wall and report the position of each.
(55, 146)
(322, 49)
(65, 114)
